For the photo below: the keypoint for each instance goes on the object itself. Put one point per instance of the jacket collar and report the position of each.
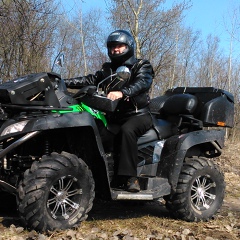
(131, 61)
(128, 63)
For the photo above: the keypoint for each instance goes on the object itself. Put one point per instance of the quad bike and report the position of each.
(53, 159)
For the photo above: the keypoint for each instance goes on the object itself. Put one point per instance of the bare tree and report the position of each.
(154, 30)
(27, 31)
(84, 42)
(232, 26)
(187, 56)
(211, 65)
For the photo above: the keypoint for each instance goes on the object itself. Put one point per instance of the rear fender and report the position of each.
(177, 148)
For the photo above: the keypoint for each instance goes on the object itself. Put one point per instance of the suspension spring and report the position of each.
(47, 147)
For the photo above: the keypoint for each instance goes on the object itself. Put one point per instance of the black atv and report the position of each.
(54, 160)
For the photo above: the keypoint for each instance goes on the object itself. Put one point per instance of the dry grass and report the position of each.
(112, 220)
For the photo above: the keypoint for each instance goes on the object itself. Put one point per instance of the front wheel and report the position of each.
(200, 191)
(56, 193)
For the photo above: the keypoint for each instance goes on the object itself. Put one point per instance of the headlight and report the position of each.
(16, 127)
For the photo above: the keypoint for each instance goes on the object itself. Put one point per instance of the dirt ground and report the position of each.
(149, 221)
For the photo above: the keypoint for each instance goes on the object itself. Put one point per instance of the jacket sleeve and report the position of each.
(140, 80)
(79, 82)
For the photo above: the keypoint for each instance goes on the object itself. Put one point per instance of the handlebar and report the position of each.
(89, 96)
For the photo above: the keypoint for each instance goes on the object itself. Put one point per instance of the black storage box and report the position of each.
(101, 103)
(215, 106)
(33, 89)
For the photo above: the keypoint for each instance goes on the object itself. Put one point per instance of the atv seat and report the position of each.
(180, 104)
(165, 122)
(149, 136)
(173, 104)
(161, 129)
(170, 109)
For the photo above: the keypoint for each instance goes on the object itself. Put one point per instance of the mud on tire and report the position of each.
(200, 191)
(56, 193)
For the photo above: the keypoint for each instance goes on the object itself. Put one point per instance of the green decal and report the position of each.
(83, 108)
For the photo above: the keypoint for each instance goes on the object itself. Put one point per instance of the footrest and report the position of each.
(151, 188)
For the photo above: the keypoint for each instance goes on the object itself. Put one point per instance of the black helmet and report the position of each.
(118, 37)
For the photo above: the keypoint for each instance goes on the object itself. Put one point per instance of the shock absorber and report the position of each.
(47, 147)
(2, 160)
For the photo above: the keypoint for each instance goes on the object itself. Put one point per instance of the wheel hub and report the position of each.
(200, 192)
(64, 198)
(61, 196)
(203, 193)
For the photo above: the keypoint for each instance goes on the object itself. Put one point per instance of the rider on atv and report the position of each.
(132, 112)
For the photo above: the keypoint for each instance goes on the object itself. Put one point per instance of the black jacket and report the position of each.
(135, 90)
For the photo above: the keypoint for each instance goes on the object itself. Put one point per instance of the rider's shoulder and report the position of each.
(140, 63)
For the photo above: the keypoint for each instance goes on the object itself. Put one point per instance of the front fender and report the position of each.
(53, 121)
(176, 149)
(56, 121)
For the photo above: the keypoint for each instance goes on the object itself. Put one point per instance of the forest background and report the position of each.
(33, 32)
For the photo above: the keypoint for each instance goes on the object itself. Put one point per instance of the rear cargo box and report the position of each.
(215, 106)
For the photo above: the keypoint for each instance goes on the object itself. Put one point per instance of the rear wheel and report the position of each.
(200, 191)
(56, 193)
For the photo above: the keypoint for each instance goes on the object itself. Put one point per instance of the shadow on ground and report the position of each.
(101, 210)
(126, 209)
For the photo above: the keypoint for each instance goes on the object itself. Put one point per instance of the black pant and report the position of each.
(131, 130)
